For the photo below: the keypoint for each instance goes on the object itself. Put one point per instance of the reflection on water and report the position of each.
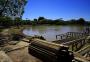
(49, 32)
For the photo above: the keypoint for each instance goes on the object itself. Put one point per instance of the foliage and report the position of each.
(7, 22)
(40, 18)
(11, 7)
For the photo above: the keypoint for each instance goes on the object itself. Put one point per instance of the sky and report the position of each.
(55, 9)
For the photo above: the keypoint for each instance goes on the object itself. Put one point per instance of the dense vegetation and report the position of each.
(7, 22)
(11, 7)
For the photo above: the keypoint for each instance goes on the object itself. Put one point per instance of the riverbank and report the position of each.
(17, 50)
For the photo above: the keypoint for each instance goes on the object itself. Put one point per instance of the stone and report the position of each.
(4, 57)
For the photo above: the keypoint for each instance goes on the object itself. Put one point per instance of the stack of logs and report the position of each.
(50, 52)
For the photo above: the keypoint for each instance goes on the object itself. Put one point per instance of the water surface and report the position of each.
(49, 32)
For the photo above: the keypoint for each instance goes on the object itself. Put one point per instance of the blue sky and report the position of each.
(55, 9)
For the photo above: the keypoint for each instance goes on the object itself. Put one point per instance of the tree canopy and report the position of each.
(11, 7)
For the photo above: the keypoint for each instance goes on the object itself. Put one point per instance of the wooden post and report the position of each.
(72, 46)
(56, 37)
(61, 37)
(81, 43)
(76, 46)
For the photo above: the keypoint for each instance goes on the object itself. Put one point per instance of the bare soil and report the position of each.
(22, 55)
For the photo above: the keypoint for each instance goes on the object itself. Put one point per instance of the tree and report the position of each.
(35, 20)
(8, 21)
(40, 18)
(5, 21)
(72, 21)
(17, 21)
(81, 21)
(12, 7)
(3, 4)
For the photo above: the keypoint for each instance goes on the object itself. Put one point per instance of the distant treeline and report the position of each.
(7, 21)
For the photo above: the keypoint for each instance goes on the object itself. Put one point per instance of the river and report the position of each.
(49, 32)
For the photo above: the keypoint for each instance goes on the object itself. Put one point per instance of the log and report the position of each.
(48, 45)
(49, 52)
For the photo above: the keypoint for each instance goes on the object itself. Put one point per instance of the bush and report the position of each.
(17, 37)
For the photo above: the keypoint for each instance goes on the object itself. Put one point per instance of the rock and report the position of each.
(16, 37)
(4, 57)
(88, 39)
